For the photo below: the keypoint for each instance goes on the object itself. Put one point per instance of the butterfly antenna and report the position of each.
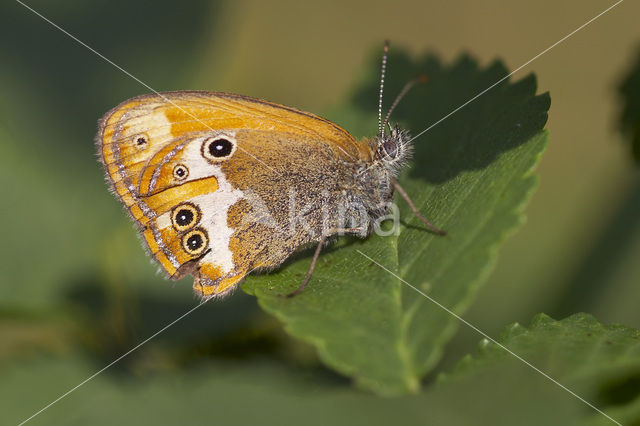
(383, 71)
(419, 79)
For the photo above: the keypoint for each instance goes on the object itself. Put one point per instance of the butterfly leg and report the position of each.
(415, 211)
(316, 254)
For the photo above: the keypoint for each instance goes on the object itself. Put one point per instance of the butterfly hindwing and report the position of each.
(199, 172)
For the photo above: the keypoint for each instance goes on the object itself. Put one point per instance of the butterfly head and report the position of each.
(393, 148)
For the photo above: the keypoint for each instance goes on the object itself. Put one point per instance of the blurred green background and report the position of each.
(78, 291)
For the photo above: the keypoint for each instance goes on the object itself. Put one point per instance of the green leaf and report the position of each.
(471, 176)
(242, 393)
(601, 363)
(629, 92)
(493, 388)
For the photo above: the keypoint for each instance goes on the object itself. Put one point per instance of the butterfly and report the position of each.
(221, 184)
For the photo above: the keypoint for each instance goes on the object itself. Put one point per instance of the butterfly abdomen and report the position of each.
(221, 184)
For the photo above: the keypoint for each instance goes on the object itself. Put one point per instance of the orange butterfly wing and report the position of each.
(151, 150)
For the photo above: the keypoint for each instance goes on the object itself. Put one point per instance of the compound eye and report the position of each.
(218, 148)
(180, 172)
(391, 148)
(185, 216)
(195, 242)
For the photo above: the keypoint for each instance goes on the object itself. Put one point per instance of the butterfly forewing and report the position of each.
(207, 176)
